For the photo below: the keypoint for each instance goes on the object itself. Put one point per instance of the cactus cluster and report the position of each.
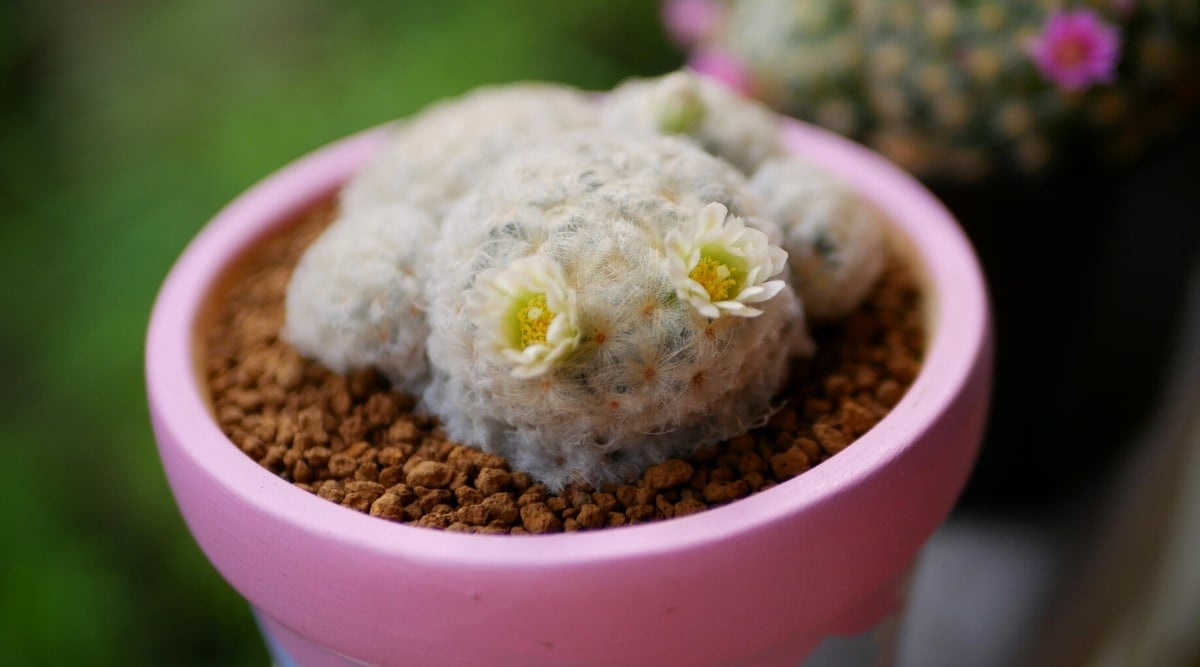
(959, 90)
(585, 284)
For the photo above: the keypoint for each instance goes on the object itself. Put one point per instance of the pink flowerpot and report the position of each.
(760, 581)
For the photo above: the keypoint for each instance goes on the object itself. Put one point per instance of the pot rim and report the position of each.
(959, 334)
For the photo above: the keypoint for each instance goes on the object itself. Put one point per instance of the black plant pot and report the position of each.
(1086, 269)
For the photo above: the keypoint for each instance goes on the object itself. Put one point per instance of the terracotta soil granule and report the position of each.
(353, 441)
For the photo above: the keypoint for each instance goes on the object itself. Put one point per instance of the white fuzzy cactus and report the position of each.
(834, 238)
(355, 297)
(720, 120)
(594, 314)
(433, 158)
(585, 302)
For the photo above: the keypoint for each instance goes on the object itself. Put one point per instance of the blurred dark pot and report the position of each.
(1085, 267)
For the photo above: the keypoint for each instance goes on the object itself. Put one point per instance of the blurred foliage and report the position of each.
(123, 127)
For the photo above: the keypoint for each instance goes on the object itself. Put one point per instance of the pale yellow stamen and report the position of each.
(535, 318)
(715, 277)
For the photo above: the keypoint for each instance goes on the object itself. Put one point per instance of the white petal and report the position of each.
(706, 308)
(778, 258)
(713, 214)
(752, 276)
(761, 292)
(559, 329)
(747, 295)
(738, 308)
(531, 370)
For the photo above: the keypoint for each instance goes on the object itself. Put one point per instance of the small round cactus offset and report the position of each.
(438, 155)
(355, 299)
(720, 120)
(604, 295)
(958, 90)
(836, 241)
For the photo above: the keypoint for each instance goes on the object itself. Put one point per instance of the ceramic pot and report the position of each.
(758, 582)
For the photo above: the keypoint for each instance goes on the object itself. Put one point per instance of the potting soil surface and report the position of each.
(352, 440)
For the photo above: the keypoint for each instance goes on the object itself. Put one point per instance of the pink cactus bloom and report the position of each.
(689, 22)
(723, 67)
(1077, 49)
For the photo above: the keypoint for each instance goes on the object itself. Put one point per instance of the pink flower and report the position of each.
(720, 66)
(688, 22)
(1077, 49)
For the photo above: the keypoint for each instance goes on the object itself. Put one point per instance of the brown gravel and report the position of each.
(353, 441)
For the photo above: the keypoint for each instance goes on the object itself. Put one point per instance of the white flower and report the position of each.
(525, 314)
(720, 264)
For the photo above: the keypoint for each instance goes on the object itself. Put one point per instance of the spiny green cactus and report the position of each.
(957, 89)
(803, 56)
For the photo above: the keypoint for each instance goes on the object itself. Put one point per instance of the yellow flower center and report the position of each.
(535, 318)
(715, 277)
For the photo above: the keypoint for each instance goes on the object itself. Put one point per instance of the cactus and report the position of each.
(721, 121)
(951, 85)
(355, 299)
(958, 90)
(835, 240)
(601, 297)
(436, 156)
(667, 329)
(822, 52)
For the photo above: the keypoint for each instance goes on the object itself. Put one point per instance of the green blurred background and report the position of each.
(125, 126)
